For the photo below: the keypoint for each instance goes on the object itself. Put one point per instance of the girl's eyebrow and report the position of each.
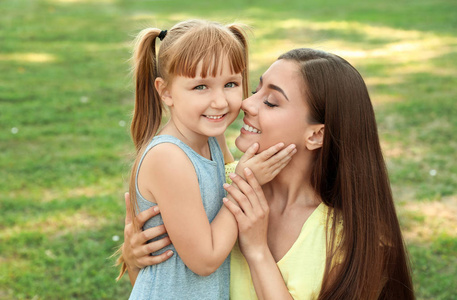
(276, 88)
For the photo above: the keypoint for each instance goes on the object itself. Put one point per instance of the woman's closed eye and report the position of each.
(269, 104)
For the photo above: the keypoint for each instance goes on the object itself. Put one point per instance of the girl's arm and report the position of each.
(135, 250)
(252, 218)
(172, 183)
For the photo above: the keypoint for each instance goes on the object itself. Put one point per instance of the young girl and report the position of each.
(200, 75)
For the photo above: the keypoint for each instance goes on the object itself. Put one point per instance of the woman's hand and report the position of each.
(266, 164)
(135, 250)
(251, 214)
(252, 217)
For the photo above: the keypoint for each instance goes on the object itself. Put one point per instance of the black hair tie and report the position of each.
(162, 34)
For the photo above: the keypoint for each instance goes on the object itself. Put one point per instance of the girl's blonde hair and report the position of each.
(184, 46)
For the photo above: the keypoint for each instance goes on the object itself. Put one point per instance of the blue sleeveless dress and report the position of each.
(172, 279)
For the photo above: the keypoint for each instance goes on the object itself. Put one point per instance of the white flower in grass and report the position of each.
(84, 99)
(122, 123)
(14, 130)
(115, 238)
(432, 172)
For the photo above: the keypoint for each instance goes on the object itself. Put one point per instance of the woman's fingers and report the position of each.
(235, 210)
(156, 259)
(237, 194)
(245, 194)
(151, 247)
(260, 196)
(145, 215)
(141, 237)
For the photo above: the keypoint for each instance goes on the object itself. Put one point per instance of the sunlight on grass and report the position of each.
(424, 221)
(82, 1)
(411, 50)
(28, 57)
(58, 224)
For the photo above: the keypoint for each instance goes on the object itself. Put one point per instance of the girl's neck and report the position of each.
(199, 143)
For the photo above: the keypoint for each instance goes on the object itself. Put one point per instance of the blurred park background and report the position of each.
(66, 97)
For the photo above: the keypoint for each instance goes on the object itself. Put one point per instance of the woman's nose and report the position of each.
(249, 105)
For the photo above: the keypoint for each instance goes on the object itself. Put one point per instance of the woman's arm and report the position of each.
(252, 218)
(135, 250)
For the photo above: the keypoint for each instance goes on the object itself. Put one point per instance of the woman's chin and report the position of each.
(241, 144)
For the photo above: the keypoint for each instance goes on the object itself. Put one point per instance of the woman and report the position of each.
(326, 226)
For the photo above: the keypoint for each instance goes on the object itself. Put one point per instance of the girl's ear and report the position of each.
(164, 93)
(315, 137)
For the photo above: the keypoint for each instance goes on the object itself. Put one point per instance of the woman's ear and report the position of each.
(315, 138)
(163, 91)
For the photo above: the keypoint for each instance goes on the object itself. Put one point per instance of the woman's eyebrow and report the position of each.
(275, 87)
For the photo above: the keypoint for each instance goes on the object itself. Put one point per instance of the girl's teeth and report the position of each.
(214, 117)
(251, 129)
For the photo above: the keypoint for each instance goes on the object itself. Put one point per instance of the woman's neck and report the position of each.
(292, 186)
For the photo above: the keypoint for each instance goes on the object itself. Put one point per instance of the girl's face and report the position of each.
(277, 112)
(205, 106)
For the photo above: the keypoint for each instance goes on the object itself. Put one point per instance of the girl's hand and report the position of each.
(136, 251)
(268, 163)
(251, 214)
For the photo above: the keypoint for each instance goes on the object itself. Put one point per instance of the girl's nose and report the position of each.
(219, 100)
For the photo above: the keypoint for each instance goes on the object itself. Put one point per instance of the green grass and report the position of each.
(66, 100)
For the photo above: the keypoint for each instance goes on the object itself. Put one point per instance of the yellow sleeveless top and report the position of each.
(302, 267)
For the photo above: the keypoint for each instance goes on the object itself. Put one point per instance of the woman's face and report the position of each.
(277, 112)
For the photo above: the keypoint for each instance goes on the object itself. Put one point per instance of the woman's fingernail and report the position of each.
(232, 175)
(169, 253)
(224, 200)
(247, 171)
(226, 185)
(156, 208)
(292, 146)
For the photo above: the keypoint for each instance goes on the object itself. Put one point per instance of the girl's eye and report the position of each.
(269, 104)
(231, 85)
(200, 87)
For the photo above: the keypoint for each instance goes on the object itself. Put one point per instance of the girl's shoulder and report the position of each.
(165, 156)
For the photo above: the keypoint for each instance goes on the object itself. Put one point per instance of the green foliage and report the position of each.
(66, 99)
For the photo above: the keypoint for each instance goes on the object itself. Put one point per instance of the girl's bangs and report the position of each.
(210, 51)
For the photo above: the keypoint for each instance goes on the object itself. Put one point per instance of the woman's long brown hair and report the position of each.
(350, 175)
(185, 46)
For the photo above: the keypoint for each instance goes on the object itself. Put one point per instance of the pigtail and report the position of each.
(147, 113)
(148, 106)
(240, 34)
